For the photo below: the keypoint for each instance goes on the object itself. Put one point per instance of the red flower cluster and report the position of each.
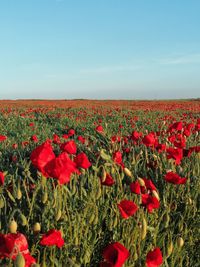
(127, 208)
(12, 244)
(52, 238)
(114, 255)
(174, 178)
(154, 258)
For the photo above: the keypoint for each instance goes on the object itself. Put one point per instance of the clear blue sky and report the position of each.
(128, 49)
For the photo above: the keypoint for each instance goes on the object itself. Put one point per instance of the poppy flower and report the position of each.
(149, 184)
(81, 139)
(117, 158)
(69, 147)
(127, 208)
(135, 188)
(109, 181)
(71, 132)
(175, 153)
(82, 161)
(150, 202)
(115, 254)
(136, 136)
(174, 178)
(12, 244)
(149, 140)
(154, 258)
(61, 168)
(56, 139)
(41, 155)
(29, 260)
(2, 178)
(99, 129)
(34, 138)
(178, 126)
(51, 238)
(3, 138)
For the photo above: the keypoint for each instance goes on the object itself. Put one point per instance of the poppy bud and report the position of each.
(127, 172)
(23, 219)
(180, 242)
(58, 215)
(103, 176)
(144, 228)
(19, 193)
(98, 195)
(169, 248)
(44, 197)
(92, 217)
(141, 181)
(20, 261)
(12, 227)
(155, 194)
(1, 203)
(36, 228)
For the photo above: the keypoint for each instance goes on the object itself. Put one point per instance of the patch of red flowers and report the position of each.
(52, 238)
(174, 178)
(115, 255)
(154, 258)
(150, 202)
(127, 208)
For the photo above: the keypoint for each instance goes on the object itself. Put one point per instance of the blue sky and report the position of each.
(99, 49)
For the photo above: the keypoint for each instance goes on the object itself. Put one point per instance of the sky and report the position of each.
(99, 49)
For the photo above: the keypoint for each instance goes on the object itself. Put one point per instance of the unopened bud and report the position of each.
(127, 172)
(141, 181)
(36, 228)
(20, 261)
(180, 242)
(155, 194)
(13, 227)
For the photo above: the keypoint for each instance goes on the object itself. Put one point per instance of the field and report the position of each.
(99, 183)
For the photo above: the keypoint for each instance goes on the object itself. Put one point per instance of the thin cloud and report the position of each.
(110, 69)
(184, 59)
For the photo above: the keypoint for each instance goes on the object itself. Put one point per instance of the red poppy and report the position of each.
(178, 126)
(149, 140)
(136, 136)
(41, 155)
(117, 157)
(174, 178)
(61, 168)
(2, 178)
(14, 146)
(12, 244)
(56, 139)
(34, 138)
(135, 187)
(154, 258)
(81, 139)
(82, 161)
(175, 153)
(150, 202)
(51, 238)
(115, 254)
(29, 260)
(127, 208)
(109, 181)
(149, 184)
(99, 129)
(71, 132)
(3, 137)
(69, 147)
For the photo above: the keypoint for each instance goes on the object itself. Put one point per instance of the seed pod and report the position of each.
(103, 175)
(76, 241)
(13, 227)
(169, 249)
(144, 228)
(141, 181)
(19, 261)
(44, 197)
(180, 242)
(36, 228)
(58, 215)
(115, 221)
(166, 220)
(19, 193)
(92, 217)
(23, 219)
(98, 195)
(155, 194)
(1, 203)
(127, 172)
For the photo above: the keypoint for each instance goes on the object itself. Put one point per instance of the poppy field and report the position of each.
(99, 183)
